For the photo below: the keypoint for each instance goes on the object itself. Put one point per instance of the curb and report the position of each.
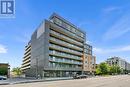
(32, 81)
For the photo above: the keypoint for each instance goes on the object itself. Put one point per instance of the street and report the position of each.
(108, 81)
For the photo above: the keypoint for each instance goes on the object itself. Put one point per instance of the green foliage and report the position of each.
(105, 69)
(17, 71)
(3, 70)
(115, 70)
(102, 69)
(98, 71)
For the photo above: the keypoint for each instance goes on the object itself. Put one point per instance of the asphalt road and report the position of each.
(110, 81)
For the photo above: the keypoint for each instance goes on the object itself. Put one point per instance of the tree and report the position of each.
(3, 70)
(98, 71)
(115, 69)
(17, 71)
(118, 70)
(103, 69)
(112, 70)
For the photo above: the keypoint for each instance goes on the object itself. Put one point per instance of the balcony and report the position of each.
(27, 64)
(66, 62)
(27, 53)
(26, 61)
(59, 48)
(26, 58)
(66, 32)
(65, 56)
(24, 68)
(61, 36)
(28, 48)
(54, 40)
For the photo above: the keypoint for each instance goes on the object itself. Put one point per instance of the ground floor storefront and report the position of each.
(54, 73)
(61, 73)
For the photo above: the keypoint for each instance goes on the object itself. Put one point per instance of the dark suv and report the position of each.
(80, 76)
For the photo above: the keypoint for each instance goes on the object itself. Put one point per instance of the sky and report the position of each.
(106, 22)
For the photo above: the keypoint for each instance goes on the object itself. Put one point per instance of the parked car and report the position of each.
(3, 78)
(80, 76)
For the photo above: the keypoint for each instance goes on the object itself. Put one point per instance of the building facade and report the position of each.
(124, 65)
(26, 63)
(56, 48)
(89, 65)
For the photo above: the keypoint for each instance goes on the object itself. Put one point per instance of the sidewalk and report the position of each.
(24, 80)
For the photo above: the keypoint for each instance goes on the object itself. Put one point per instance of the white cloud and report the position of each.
(118, 29)
(111, 50)
(3, 49)
(110, 9)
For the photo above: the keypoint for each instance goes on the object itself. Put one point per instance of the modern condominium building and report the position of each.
(27, 58)
(119, 62)
(56, 49)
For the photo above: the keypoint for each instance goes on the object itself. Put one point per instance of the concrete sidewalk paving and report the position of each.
(24, 80)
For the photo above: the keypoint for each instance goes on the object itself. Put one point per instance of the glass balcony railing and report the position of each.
(63, 66)
(27, 64)
(27, 53)
(67, 38)
(28, 56)
(65, 43)
(69, 28)
(26, 67)
(26, 61)
(65, 55)
(64, 49)
(63, 60)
